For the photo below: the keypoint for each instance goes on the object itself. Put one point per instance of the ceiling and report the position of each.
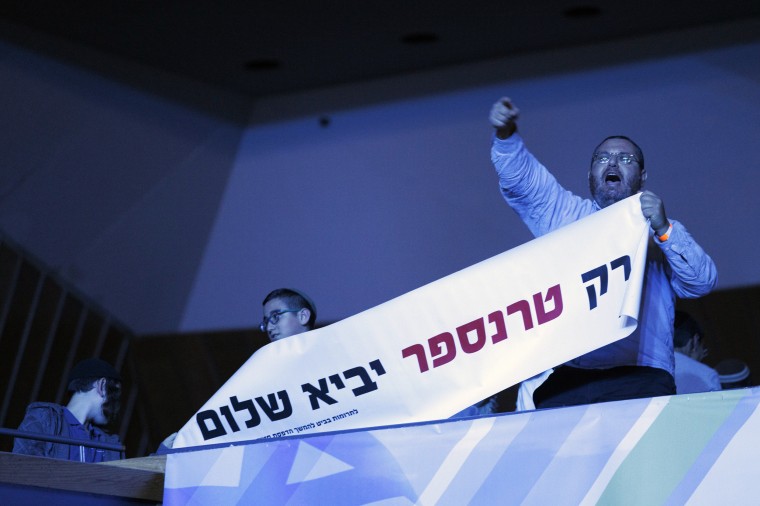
(272, 47)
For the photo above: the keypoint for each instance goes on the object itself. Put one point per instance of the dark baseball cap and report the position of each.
(93, 368)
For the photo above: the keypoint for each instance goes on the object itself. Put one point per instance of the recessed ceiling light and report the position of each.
(419, 38)
(262, 64)
(582, 11)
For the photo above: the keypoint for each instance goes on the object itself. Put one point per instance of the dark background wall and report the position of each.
(175, 219)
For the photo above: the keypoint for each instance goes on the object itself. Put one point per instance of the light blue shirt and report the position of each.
(677, 267)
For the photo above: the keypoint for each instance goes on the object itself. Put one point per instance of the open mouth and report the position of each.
(612, 177)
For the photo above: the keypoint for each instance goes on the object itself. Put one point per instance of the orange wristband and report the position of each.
(664, 237)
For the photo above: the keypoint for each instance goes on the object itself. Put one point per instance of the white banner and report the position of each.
(434, 351)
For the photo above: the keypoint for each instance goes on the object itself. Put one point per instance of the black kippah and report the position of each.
(93, 368)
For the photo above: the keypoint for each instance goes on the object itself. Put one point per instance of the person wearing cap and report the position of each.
(94, 403)
(733, 373)
(287, 312)
(691, 374)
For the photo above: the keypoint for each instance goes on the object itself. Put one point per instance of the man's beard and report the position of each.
(605, 195)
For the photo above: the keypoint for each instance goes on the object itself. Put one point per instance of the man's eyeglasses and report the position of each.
(274, 317)
(622, 158)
